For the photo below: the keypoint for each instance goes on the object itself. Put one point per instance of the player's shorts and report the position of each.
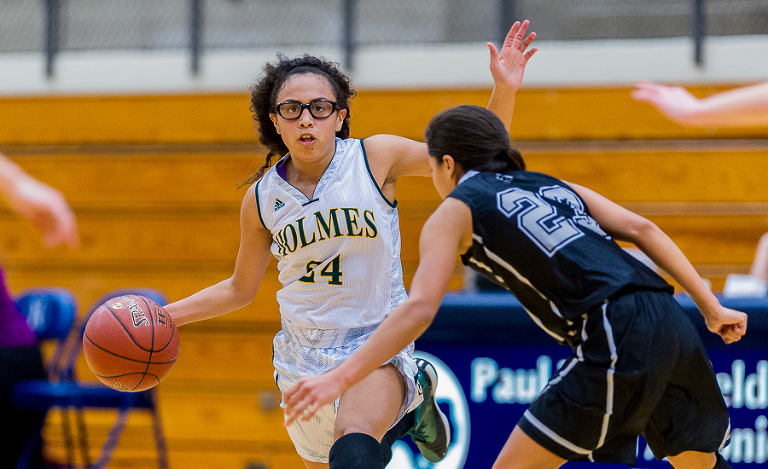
(641, 370)
(310, 352)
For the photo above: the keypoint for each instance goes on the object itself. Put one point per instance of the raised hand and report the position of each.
(508, 64)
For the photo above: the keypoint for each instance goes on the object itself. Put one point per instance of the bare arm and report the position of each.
(625, 225)
(739, 107)
(238, 290)
(444, 235)
(40, 203)
(507, 67)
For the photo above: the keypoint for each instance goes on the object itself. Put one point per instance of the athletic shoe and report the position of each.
(430, 430)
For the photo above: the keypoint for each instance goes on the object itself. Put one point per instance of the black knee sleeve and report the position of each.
(356, 451)
(386, 453)
(721, 462)
(395, 433)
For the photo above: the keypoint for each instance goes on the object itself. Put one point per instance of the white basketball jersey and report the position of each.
(338, 253)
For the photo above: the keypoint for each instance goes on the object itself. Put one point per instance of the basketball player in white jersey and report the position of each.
(327, 212)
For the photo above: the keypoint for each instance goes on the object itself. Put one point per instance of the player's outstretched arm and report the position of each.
(740, 107)
(237, 291)
(625, 225)
(507, 68)
(443, 233)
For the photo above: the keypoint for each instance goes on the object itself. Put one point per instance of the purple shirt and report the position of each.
(14, 331)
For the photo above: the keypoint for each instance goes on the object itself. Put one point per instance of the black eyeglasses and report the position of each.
(291, 110)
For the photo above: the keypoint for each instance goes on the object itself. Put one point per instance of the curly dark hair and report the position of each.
(264, 97)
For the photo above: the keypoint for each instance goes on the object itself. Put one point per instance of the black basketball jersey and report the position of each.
(533, 235)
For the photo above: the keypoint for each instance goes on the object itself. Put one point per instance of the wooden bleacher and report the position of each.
(153, 181)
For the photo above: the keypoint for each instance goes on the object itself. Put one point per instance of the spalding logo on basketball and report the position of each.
(130, 343)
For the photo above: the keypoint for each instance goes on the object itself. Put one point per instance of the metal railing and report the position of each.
(351, 31)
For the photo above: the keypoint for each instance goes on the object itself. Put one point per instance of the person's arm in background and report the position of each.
(740, 107)
(38, 202)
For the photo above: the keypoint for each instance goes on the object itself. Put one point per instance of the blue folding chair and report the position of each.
(71, 393)
(50, 313)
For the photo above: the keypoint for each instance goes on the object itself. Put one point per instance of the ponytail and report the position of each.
(475, 138)
(514, 158)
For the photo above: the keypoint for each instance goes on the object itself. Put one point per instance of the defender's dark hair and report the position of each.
(474, 137)
(264, 98)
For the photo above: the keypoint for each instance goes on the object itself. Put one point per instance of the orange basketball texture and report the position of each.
(130, 343)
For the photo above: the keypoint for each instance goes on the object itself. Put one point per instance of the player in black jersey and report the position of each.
(638, 364)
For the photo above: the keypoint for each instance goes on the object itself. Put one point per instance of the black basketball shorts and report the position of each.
(641, 370)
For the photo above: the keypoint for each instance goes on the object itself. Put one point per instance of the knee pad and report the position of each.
(721, 462)
(356, 451)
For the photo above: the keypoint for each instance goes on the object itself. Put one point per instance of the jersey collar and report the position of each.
(467, 175)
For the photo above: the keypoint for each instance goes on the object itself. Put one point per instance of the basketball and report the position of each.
(130, 343)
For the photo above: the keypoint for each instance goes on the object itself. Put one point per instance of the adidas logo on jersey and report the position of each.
(279, 204)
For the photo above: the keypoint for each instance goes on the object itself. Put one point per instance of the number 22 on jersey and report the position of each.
(539, 220)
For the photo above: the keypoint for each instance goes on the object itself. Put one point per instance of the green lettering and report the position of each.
(351, 215)
(290, 237)
(280, 239)
(370, 220)
(323, 227)
(304, 242)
